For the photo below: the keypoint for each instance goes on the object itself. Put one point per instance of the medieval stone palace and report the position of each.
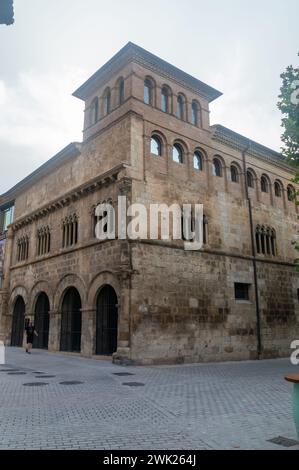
(147, 135)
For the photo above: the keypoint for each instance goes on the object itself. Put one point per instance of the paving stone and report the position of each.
(241, 405)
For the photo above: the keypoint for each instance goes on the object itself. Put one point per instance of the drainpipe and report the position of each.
(257, 306)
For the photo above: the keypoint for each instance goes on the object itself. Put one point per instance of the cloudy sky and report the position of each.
(238, 47)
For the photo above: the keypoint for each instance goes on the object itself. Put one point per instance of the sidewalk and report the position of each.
(237, 405)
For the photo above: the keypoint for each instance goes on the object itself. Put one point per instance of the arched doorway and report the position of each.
(106, 325)
(71, 321)
(18, 319)
(41, 321)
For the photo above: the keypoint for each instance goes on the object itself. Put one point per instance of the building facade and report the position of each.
(147, 136)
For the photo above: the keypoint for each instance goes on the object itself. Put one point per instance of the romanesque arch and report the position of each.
(105, 277)
(40, 286)
(69, 280)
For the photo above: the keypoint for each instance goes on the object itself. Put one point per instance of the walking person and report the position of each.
(30, 332)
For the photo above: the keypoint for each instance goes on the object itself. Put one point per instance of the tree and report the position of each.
(289, 106)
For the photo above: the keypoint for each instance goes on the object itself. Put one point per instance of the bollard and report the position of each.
(294, 378)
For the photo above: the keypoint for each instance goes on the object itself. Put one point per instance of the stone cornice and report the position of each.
(238, 142)
(133, 53)
(70, 151)
(77, 193)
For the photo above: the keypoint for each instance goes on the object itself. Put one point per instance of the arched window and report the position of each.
(107, 101)
(188, 226)
(23, 248)
(177, 153)
(180, 107)
(94, 111)
(156, 145)
(148, 91)
(277, 189)
(195, 113)
(234, 174)
(121, 91)
(197, 160)
(264, 184)
(43, 241)
(70, 231)
(265, 240)
(165, 99)
(217, 168)
(250, 180)
(291, 193)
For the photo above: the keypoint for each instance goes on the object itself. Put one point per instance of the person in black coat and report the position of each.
(30, 332)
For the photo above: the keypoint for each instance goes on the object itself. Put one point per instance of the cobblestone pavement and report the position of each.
(199, 406)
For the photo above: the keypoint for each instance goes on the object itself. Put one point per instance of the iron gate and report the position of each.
(18, 322)
(71, 321)
(41, 321)
(107, 319)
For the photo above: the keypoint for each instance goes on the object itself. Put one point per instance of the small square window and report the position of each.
(241, 291)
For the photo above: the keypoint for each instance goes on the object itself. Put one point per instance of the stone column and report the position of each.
(271, 194)
(5, 316)
(168, 156)
(7, 258)
(284, 197)
(54, 330)
(209, 169)
(123, 353)
(88, 331)
(189, 162)
(226, 169)
(257, 188)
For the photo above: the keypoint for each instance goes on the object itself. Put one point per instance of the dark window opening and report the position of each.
(194, 113)
(217, 170)
(70, 231)
(148, 91)
(277, 189)
(249, 177)
(264, 184)
(234, 174)
(241, 291)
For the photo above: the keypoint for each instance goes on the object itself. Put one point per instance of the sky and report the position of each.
(238, 47)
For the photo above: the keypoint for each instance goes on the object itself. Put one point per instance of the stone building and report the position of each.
(147, 136)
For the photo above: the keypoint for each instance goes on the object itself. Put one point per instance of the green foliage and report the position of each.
(289, 106)
(296, 243)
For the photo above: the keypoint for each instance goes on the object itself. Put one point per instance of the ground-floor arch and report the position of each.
(18, 322)
(42, 321)
(106, 321)
(71, 321)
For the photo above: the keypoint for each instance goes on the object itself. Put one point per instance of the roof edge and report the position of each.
(72, 149)
(236, 140)
(134, 52)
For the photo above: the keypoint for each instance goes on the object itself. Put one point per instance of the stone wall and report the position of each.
(184, 308)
